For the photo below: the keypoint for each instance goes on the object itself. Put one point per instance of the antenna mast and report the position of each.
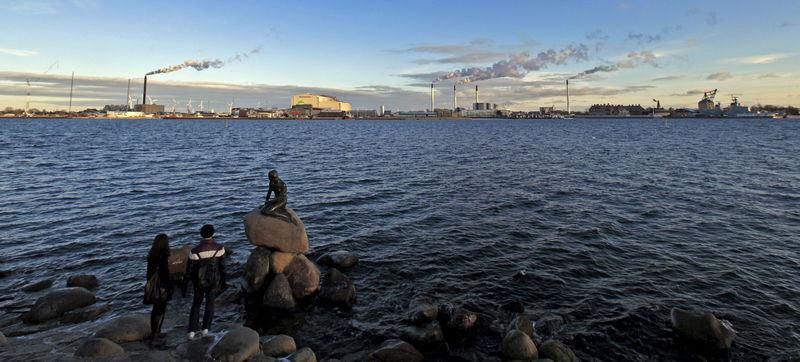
(71, 83)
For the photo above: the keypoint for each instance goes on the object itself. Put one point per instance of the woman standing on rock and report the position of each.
(157, 262)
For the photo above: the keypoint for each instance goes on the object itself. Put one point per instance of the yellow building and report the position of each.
(320, 101)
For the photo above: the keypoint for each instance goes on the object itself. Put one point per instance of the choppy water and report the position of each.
(613, 221)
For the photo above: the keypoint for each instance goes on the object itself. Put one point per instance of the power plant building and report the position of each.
(320, 101)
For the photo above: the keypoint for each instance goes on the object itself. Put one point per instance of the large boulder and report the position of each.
(422, 310)
(279, 294)
(276, 232)
(303, 276)
(237, 345)
(424, 335)
(126, 328)
(304, 354)
(57, 303)
(517, 345)
(461, 320)
(279, 260)
(84, 314)
(40, 285)
(557, 351)
(278, 346)
(523, 324)
(256, 269)
(395, 350)
(178, 258)
(337, 290)
(338, 259)
(703, 328)
(87, 281)
(100, 348)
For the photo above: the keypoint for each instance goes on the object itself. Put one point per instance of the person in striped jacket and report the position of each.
(206, 271)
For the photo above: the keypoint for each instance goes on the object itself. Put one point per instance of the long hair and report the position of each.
(160, 247)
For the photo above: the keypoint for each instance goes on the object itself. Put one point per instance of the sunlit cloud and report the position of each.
(759, 59)
(18, 52)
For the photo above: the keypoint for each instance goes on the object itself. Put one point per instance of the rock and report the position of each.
(100, 348)
(40, 285)
(275, 232)
(549, 324)
(395, 350)
(85, 314)
(279, 346)
(126, 328)
(237, 345)
(304, 354)
(279, 294)
(337, 290)
(3, 339)
(517, 345)
(514, 306)
(57, 303)
(87, 281)
(256, 269)
(424, 335)
(279, 260)
(338, 259)
(557, 351)
(178, 258)
(260, 357)
(303, 276)
(461, 320)
(523, 324)
(422, 310)
(703, 328)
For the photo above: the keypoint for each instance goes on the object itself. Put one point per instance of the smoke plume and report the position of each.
(517, 66)
(634, 60)
(205, 64)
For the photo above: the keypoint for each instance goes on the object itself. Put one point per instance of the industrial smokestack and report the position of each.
(568, 97)
(144, 92)
(455, 98)
(433, 109)
(476, 95)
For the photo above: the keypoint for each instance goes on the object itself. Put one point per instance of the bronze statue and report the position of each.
(277, 206)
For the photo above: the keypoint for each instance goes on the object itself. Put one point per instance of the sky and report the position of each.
(373, 53)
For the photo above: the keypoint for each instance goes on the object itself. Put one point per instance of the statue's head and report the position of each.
(273, 175)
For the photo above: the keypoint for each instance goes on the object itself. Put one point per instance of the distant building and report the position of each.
(364, 113)
(320, 101)
(483, 106)
(149, 108)
(545, 110)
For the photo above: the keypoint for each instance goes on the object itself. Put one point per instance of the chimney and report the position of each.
(455, 98)
(433, 109)
(144, 92)
(568, 96)
(476, 95)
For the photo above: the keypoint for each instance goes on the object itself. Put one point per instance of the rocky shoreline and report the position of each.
(279, 288)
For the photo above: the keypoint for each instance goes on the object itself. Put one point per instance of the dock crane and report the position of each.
(710, 95)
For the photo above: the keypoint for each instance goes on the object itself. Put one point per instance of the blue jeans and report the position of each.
(194, 317)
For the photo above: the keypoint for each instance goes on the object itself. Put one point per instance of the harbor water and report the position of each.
(605, 223)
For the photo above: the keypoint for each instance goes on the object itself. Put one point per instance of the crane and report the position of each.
(710, 95)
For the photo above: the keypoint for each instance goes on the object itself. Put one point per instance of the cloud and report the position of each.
(644, 38)
(759, 59)
(720, 76)
(669, 77)
(693, 92)
(769, 75)
(28, 6)
(18, 52)
(478, 51)
(786, 24)
(710, 17)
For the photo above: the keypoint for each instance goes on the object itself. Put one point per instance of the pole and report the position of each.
(128, 100)
(71, 83)
(568, 110)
